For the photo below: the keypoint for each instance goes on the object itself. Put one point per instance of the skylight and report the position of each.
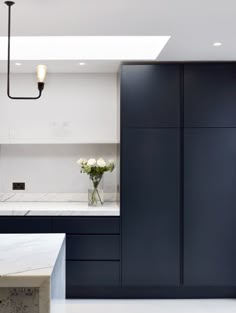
(84, 47)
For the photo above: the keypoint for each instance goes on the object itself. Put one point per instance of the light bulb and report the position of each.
(41, 73)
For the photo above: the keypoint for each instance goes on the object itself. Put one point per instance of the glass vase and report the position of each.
(95, 191)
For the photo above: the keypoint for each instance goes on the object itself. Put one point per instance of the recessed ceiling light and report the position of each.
(18, 64)
(81, 63)
(217, 44)
(84, 47)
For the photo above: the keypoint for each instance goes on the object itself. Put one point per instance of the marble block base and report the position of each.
(34, 277)
(25, 300)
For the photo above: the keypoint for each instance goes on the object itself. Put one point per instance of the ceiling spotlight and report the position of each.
(81, 63)
(18, 64)
(217, 44)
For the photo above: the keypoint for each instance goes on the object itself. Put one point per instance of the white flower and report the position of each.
(91, 162)
(101, 162)
(81, 161)
(111, 162)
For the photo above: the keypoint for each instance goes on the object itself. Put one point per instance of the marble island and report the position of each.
(57, 209)
(32, 272)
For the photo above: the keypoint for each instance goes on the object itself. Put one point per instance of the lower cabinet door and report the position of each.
(86, 225)
(93, 247)
(92, 273)
(210, 207)
(150, 207)
(25, 224)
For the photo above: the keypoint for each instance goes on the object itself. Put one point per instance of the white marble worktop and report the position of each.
(29, 254)
(57, 209)
(32, 272)
(51, 197)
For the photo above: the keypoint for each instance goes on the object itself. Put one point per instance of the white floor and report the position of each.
(148, 306)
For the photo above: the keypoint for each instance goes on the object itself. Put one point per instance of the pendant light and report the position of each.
(41, 69)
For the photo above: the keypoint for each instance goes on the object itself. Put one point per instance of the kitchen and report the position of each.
(125, 156)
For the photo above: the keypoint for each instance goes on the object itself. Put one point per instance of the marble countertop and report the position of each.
(32, 272)
(23, 255)
(57, 209)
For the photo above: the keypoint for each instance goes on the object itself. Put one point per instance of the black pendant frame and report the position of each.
(40, 84)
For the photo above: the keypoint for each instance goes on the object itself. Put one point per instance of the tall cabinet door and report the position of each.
(150, 95)
(150, 207)
(209, 95)
(210, 207)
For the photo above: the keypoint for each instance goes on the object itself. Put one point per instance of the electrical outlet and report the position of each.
(18, 186)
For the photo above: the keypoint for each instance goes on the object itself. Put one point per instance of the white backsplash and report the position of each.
(50, 172)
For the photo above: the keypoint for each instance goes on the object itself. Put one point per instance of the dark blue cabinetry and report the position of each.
(85, 225)
(150, 207)
(209, 213)
(150, 168)
(150, 95)
(178, 165)
(209, 95)
(22, 224)
(92, 252)
(93, 247)
(209, 174)
(92, 274)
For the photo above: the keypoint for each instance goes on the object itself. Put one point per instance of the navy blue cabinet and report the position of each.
(87, 225)
(210, 207)
(92, 253)
(150, 165)
(210, 95)
(150, 95)
(93, 247)
(91, 274)
(24, 224)
(150, 207)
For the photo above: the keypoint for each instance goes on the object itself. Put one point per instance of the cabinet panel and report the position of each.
(92, 273)
(150, 207)
(25, 225)
(87, 225)
(150, 95)
(93, 247)
(210, 207)
(209, 95)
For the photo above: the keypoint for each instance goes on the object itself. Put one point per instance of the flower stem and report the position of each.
(95, 196)
(99, 197)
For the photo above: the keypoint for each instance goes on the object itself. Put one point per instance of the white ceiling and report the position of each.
(193, 25)
(64, 67)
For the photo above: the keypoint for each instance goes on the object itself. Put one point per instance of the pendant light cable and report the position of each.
(40, 84)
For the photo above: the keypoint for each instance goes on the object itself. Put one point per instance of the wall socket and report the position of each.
(18, 186)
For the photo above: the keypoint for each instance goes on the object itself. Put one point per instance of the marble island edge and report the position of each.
(32, 272)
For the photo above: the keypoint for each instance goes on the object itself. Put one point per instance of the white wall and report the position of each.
(74, 108)
(52, 168)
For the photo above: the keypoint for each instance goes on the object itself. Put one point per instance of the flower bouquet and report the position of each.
(95, 169)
